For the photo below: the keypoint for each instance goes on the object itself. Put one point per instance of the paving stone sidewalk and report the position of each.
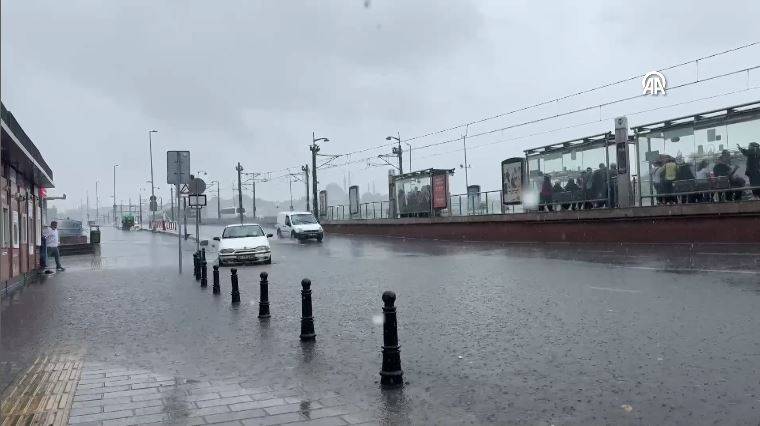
(60, 391)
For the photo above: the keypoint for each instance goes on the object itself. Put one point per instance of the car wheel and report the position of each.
(279, 233)
(221, 263)
(292, 234)
(268, 261)
(319, 239)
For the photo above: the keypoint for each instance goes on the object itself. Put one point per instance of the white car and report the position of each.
(301, 225)
(244, 243)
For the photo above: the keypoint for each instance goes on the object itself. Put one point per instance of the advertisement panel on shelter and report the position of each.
(512, 180)
(413, 195)
(440, 191)
(353, 199)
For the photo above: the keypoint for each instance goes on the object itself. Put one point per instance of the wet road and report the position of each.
(526, 334)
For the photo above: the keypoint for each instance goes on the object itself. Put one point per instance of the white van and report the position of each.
(301, 225)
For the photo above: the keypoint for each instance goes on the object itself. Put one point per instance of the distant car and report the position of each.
(300, 225)
(244, 243)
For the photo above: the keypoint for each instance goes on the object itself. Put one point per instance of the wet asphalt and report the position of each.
(517, 334)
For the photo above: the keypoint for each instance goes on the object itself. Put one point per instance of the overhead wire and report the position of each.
(327, 165)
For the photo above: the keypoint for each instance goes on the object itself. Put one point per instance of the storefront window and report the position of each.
(3, 232)
(14, 231)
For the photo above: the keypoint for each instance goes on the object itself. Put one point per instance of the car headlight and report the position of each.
(227, 250)
(261, 249)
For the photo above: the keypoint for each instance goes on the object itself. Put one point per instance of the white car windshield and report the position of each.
(243, 231)
(302, 219)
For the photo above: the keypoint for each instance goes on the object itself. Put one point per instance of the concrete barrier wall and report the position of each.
(708, 223)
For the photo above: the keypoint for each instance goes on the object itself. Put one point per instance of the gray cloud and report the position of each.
(249, 81)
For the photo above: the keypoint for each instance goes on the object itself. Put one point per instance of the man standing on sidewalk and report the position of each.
(52, 240)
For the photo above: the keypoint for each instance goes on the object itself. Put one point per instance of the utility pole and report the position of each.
(139, 202)
(184, 214)
(466, 166)
(218, 200)
(114, 194)
(152, 203)
(290, 185)
(239, 169)
(171, 188)
(97, 203)
(305, 169)
(88, 206)
(314, 148)
(253, 184)
(410, 155)
(399, 152)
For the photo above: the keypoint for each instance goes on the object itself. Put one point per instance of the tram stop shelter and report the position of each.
(699, 142)
(423, 193)
(580, 171)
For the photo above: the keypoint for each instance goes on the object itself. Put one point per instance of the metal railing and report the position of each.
(687, 194)
(369, 210)
(489, 202)
(481, 203)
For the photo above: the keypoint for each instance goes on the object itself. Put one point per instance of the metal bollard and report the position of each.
(197, 265)
(203, 255)
(264, 296)
(307, 320)
(235, 290)
(215, 287)
(204, 274)
(391, 374)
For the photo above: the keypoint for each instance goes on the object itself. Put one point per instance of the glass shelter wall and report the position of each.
(696, 148)
(563, 165)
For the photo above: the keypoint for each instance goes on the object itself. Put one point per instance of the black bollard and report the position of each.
(204, 273)
(264, 296)
(391, 374)
(203, 255)
(215, 287)
(307, 320)
(235, 290)
(197, 265)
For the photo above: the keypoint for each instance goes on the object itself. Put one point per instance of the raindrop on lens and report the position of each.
(377, 319)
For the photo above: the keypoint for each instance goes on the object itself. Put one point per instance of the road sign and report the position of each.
(197, 186)
(197, 200)
(177, 167)
(153, 206)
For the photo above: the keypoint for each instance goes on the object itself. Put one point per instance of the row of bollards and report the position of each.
(391, 374)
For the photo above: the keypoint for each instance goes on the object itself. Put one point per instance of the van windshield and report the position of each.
(243, 231)
(302, 219)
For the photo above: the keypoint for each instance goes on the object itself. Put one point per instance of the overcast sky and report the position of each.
(249, 81)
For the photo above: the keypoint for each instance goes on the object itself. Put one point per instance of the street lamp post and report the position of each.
(139, 202)
(97, 203)
(218, 200)
(410, 155)
(114, 194)
(290, 186)
(239, 169)
(305, 170)
(314, 148)
(398, 151)
(152, 203)
(466, 166)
